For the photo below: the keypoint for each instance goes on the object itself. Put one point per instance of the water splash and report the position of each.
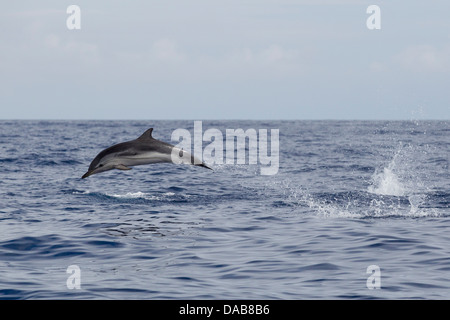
(405, 175)
(386, 182)
(401, 188)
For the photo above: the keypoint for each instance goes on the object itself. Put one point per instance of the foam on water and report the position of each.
(142, 195)
(139, 195)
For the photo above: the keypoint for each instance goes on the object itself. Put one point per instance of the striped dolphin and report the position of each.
(143, 150)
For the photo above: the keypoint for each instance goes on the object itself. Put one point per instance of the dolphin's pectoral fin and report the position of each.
(122, 167)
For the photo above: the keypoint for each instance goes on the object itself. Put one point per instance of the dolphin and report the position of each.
(143, 150)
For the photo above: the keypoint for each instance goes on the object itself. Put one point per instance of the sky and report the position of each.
(217, 59)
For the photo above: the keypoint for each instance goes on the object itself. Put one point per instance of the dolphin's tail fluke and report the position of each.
(204, 166)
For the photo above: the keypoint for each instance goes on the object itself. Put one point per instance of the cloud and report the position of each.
(424, 58)
(271, 55)
(378, 67)
(82, 51)
(269, 61)
(166, 50)
(167, 60)
(37, 13)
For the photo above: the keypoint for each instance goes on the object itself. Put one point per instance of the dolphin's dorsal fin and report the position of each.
(146, 135)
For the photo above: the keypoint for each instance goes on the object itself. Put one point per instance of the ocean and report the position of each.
(356, 210)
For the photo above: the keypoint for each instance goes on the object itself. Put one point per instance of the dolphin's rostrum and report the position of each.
(143, 150)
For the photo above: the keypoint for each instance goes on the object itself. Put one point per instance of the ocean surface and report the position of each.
(357, 210)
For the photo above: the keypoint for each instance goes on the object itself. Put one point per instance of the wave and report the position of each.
(134, 197)
(145, 196)
(362, 204)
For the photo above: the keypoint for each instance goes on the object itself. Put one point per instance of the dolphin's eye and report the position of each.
(100, 165)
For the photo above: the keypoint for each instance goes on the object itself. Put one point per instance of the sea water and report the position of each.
(349, 197)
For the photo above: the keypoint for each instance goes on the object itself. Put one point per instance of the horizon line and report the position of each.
(227, 119)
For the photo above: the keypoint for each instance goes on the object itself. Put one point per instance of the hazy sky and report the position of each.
(211, 59)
